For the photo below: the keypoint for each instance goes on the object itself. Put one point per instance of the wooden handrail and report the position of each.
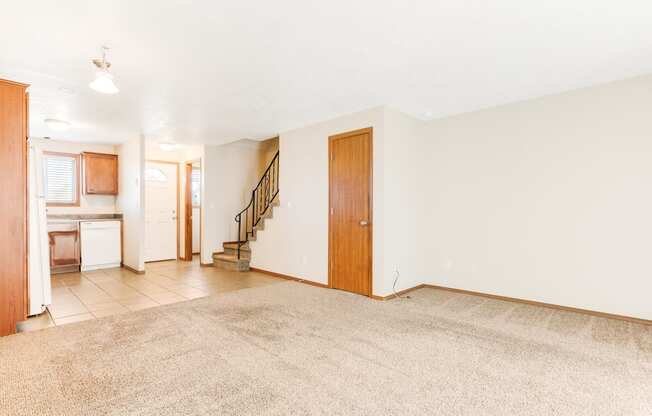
(261, 198)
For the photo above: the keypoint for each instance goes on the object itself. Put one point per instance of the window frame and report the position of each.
(193, 168)
(148, 178)
(76, 179)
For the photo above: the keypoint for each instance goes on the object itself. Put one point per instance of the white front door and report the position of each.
(160, 211)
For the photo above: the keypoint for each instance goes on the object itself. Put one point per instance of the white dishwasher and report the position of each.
(100, 244)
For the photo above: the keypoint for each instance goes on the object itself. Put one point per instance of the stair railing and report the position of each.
(261, 198)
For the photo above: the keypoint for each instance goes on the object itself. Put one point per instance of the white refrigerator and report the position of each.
(40, 290)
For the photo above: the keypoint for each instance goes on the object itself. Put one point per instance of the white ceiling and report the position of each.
(217, 71)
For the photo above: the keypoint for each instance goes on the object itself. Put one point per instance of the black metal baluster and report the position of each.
(239, 218)
(261, 198)
(266, 191)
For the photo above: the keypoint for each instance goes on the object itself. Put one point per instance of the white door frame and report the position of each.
(178, 190)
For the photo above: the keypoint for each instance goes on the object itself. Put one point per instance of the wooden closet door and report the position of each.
(350, 251)
(13, 205)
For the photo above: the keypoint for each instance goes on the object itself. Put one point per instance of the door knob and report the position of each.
(364, 223)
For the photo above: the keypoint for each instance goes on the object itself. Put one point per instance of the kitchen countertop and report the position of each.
(59, 218)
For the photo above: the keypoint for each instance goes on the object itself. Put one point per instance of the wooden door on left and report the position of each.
(13, 205)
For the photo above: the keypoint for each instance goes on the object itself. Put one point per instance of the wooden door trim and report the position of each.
(188, 214)
(201, 207)
(178, 192)
(331, 139)
(26, 204)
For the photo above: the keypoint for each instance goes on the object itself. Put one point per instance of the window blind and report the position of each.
(60, 179)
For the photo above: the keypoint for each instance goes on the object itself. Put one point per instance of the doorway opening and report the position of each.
(192, 203)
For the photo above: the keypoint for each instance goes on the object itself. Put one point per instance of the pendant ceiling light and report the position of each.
(103, 79)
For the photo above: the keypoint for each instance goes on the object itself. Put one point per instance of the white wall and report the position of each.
(295, 241)
(88, 204)
(546, 200)
(268, 149)
(131, 201)
(230, 173)
(406, 167)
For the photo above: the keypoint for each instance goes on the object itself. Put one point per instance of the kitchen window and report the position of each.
(61, 184)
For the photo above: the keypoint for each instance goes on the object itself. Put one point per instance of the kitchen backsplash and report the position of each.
(89, 204)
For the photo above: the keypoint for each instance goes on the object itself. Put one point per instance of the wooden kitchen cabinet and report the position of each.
(13, 205)
(64, 251)
(100, 173)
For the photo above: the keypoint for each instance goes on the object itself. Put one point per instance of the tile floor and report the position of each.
(89, 295)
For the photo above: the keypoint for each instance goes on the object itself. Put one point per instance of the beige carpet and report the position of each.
(292, 349)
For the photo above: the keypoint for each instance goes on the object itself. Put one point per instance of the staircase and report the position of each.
(237, 254)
